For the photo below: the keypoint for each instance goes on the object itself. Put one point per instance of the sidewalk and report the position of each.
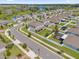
(2, 49)
(31, 54)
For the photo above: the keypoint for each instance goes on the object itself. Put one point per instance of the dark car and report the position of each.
(64, 28)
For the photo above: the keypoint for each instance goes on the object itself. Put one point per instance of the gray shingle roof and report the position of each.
(35, 24)
(4, 22)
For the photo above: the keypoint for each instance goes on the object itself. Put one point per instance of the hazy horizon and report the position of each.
(39, 1)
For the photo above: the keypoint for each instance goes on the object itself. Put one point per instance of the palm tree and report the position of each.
(26, 26)
(56, 30)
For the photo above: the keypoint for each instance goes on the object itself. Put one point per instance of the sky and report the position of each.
(39, 1)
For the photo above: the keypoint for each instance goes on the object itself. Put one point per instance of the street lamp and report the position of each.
(39, 51)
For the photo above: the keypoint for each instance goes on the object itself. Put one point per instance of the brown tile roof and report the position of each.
(72, 40)
(74, 30)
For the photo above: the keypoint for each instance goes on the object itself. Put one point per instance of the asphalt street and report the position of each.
(38, 49)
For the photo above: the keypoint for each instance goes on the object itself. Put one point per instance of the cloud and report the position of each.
(9, 0)
(40, 1)
(72, 1)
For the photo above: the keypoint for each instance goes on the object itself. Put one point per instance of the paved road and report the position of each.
(43, 52)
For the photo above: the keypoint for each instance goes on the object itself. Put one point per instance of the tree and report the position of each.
(56, 30)
(37, 57)
(8, 53)
(61, 42)
(26, 26)
(9, 33)
(23, 24)
(24, 46)
(58, 52)
(2, 27)
(9, 46)
(2, 38)
(46, 34)
(13, 37)
(19, 56)
(29, 34)
(0, 12)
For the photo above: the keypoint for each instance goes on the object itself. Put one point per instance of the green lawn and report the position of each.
(51, 27)
(26, 30)
(44, 32)
(15, 51)
(52, 38)
(65, 49)
(4, 39)
(25, 12)
(4, 27)
(71, 26)
(18, 13)
(62, 23)
(9, 17)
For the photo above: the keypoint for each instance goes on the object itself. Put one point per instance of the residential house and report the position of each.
(18, 18)
(35, 26)
(4, 22)
(47, 22)
(55, 19)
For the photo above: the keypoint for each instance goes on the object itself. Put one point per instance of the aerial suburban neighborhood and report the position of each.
(39, 31)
